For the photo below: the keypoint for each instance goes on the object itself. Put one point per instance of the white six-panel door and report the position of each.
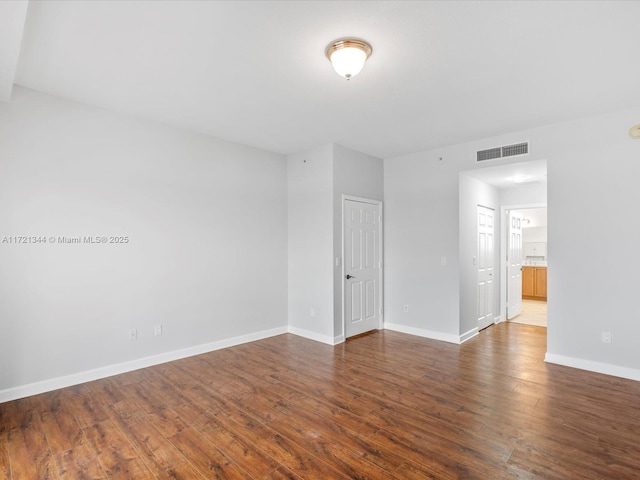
(514, 268)
(362, 263)
(485, 264)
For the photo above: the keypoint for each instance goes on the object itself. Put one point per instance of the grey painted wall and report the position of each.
(317, 181)
(360, 175)
(220, 233)
(207, 228)
(592, 166)
(310, 233)
(421, 204)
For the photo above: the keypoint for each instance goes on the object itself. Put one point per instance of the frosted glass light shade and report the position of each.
(348, 56)
(348, 62)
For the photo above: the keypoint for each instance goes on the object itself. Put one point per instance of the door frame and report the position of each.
(504, 243)
(378, 203)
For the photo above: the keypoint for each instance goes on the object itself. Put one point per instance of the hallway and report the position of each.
(534, 312)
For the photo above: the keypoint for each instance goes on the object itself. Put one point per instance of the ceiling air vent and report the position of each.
(490, 154)
(501, 152)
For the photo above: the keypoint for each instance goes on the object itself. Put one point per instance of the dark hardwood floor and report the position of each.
(384, 405)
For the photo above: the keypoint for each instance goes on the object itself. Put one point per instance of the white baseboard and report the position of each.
(313, 335)
(116, 369)
(444, 337)
(606, 368)
(469, 335)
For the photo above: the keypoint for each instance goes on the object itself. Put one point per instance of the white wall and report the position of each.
(207, 223)
(310, 231)
(360, 175)
(317, 181)
(535, 217)
(421, 226)
(597, 171)
(530, 195)
(12, 15)
(592, 166)
(473, 193)
(534, 234)
(207, 251)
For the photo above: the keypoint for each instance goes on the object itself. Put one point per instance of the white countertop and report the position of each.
(534, 263)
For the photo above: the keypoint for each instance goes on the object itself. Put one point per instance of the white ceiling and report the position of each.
(255, 72)
(513, 175)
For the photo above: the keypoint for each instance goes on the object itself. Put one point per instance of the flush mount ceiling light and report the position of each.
(635, 132)
(348, 56)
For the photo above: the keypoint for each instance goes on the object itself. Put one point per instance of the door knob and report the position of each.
(350, 276)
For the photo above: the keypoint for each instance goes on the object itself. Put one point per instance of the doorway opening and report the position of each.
(506, 189)
(526, 297)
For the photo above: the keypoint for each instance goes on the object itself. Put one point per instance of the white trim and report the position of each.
(591, 366)
(497, 320)
(353, 198)
(369, 201)
(308, 334)
(118, 368)
(338, 339)
(469, 335)
(419, 332)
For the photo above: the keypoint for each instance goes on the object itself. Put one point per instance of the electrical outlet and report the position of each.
(406, 309)
(157, 330)
(133, 334)
(606, 337)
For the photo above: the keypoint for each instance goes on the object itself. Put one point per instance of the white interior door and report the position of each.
(514, 265)
(485, 263)
(362, 263)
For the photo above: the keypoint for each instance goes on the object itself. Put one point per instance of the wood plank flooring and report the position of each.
(382, 406)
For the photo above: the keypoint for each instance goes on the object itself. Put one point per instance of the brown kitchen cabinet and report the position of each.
(534, 283)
